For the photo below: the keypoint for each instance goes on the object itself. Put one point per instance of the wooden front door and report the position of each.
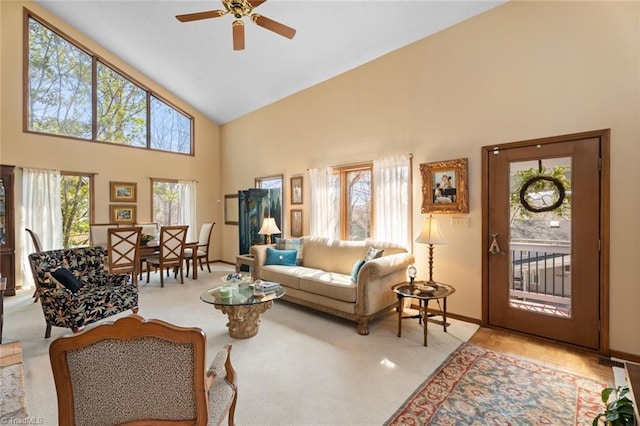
(544, 215)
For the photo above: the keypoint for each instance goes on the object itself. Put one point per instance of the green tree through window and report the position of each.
(75, 199)
(61, 91)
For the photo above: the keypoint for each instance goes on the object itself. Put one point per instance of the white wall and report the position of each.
(521, 71)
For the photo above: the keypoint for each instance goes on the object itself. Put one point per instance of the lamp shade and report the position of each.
(269, 227)
(431, 233)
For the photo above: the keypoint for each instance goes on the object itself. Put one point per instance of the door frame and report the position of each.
(604, 136)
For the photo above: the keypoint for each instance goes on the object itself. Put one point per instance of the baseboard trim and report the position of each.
(624, 355)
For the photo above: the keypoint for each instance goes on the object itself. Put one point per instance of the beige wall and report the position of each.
(523, 70)
(110, 162)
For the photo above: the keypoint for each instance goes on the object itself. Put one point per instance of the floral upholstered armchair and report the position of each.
(75, 289)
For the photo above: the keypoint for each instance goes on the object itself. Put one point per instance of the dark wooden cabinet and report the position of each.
(7, 229)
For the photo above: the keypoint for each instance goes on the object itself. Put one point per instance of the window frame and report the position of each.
(95, 58)
(342, 172)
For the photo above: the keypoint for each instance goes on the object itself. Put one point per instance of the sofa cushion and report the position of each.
(66, 278)
(333, 255)
(280, 257)
(292, 244)
(330, 284)
(356, 270)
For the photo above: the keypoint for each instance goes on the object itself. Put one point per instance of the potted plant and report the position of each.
(618, 411)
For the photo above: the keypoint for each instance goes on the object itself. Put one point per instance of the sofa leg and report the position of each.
(47, 332)
(135, 310)
(363, 327)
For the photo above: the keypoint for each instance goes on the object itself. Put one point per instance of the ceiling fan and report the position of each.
(240, 9)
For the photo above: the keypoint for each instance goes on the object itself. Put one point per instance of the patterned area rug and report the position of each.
(476, 386)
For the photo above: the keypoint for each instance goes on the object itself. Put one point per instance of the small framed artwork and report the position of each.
(296, 223)
(444, 186)
(123, 192)
(123, 214)
(296, 190)
(231, 209)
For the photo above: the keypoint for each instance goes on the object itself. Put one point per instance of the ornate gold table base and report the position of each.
(244, 320)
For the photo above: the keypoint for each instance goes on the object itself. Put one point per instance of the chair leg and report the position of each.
(181, 276)
(36, 295)
(47, 332)
(187, 262)
(162, 278)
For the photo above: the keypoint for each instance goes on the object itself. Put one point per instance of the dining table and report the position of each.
(152, 247)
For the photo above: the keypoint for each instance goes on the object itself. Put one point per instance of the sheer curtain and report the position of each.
(187, 212)
(392, 191)
(41, 212)
(324, 214)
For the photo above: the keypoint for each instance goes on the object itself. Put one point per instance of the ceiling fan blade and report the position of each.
(238, 35)
(256, 3)
(200, 15)
(274, 26)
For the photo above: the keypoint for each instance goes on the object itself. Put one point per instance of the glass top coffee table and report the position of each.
(241, 307)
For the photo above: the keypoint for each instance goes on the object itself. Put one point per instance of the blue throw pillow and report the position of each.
(67, 279)
(356, 270)
(281, 257)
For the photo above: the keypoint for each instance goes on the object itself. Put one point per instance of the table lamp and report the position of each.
(431, 234)
(268, 227)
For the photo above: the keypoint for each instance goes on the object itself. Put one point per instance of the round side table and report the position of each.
(423, 291)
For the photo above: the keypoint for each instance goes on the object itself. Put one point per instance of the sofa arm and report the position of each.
(376, 279)
(386, 265)
(259, 253)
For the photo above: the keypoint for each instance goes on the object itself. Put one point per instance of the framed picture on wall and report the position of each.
(296, 223)
(125, 214)
(444, 186)
(231, 209)
(123, 192)
(296, 190)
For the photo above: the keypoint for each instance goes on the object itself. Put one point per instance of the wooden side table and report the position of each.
(423, 292)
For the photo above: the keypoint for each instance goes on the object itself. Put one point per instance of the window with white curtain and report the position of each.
(364, 201)
(174, 203)
(40, 193)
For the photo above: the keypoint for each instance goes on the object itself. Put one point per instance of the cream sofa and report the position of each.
(322, 280)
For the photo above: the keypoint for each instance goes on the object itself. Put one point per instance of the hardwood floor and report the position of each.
(544, 352)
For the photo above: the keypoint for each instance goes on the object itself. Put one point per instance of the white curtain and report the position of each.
(187, 212)
(391, 189)
(41, 212)
(324, 214)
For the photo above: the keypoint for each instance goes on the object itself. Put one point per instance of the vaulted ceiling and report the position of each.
(197, 63)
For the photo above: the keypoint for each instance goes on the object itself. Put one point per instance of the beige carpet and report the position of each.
(303, 367)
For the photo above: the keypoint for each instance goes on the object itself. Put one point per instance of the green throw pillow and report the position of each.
(356, 270)
(281, 257)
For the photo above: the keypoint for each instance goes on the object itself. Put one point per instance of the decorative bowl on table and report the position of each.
(145, 239)
(236, 279)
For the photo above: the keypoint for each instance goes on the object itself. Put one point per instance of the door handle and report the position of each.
(494, 248)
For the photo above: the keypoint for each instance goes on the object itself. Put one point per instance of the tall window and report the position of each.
(355, 202)
(62, 91)
(75, 202)
(166, 202)
(174, 203)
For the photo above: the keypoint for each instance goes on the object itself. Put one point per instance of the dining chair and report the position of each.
(98, 233)
(171, 252)
(123, 248)
(37, 247)
(202, 248)
(148, 228)
(139, 371)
